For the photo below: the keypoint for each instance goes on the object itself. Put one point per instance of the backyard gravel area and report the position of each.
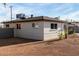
(65, 47)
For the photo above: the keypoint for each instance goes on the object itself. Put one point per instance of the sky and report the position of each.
(63, 10)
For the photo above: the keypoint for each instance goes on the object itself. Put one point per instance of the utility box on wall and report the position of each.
(21, 16)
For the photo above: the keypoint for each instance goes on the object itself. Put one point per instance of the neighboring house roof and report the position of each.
(39, 18)
(74, 22)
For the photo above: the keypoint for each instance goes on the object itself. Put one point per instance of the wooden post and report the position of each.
(66, 29)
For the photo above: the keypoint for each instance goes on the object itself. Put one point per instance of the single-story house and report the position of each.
(76, 26)
(38, 28)
(71, 28)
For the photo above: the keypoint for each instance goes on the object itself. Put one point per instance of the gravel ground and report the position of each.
(65, 47)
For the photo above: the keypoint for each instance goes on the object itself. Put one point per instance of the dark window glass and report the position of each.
(53, 26)
(18, 26)
(7, 25)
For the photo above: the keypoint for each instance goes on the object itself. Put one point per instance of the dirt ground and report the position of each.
(65, 47)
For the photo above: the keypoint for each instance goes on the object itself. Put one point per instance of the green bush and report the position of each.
(62, 35)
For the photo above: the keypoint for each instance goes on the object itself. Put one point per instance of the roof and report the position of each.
(39, 18)
(74, 22)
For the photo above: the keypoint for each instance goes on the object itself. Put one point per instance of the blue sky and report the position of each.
(64, 10)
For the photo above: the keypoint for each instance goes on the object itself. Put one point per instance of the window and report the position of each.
(7, 25)
(18, 26)
(53, 26)
(33, 24)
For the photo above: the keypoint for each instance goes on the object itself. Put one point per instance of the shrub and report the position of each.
(62, 35)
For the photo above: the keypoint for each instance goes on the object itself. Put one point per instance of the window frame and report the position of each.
(7, 25)
(53, 26)
(35, 25)
(18, 26)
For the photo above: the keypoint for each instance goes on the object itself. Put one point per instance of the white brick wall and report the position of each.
(44, 32)
(52, 33)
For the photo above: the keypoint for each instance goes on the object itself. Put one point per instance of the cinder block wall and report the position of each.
(6, 33)
(77, 29)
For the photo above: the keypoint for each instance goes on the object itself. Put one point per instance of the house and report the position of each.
(71, 28)
(38, 28)
(76, 26)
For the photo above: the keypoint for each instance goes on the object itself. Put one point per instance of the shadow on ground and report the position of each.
(13, 41)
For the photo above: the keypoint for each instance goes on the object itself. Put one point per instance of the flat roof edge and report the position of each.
(39, 18)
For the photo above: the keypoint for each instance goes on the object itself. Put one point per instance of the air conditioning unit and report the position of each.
(20, 16)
